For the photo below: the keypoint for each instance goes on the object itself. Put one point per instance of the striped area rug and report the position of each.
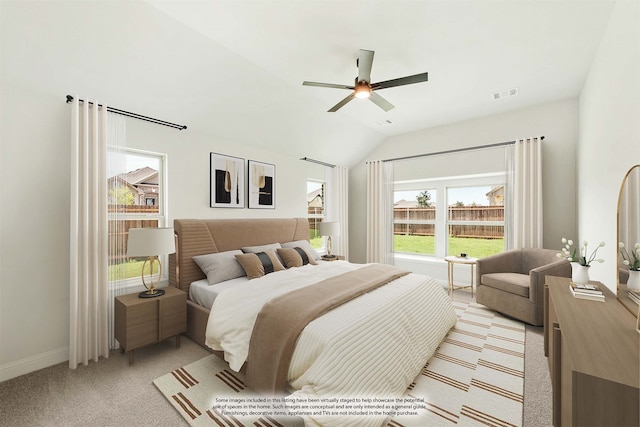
(475, 378)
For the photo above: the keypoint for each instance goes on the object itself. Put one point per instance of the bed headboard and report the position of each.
(205, 236)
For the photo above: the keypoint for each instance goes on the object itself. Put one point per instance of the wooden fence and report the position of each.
(315, 218)
(405, 221)
(118, 230)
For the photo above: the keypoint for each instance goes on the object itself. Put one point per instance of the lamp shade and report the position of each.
(329, 228)
(150, 242)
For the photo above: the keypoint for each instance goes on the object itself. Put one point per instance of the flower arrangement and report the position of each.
(572, 255)
(632, 261)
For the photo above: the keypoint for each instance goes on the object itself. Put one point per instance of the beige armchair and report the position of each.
(512, 282)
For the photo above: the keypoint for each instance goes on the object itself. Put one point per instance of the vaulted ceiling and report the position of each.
(471, 49)
(233, 69)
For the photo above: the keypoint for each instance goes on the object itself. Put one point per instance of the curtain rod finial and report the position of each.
(69, 98)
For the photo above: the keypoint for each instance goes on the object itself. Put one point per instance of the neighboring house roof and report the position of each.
(495, 190)
(312, 195)
(145, 175)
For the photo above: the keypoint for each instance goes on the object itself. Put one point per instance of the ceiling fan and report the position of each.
(363, 87)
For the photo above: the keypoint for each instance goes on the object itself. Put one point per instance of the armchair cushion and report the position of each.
(514, 283)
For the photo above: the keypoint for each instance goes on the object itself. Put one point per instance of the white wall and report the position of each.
(35, 177)
(557, 121)
(609, 133)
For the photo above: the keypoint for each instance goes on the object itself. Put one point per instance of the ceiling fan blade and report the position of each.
(381, 102)
(341, 104)
(418, 78)
(329, 85)
(365, 61)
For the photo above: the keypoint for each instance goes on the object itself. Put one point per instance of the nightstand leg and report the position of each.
(178, 341)
(131, 357)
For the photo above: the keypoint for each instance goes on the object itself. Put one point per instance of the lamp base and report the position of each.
(156, 293)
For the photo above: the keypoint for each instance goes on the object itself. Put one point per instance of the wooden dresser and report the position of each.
(594, 358)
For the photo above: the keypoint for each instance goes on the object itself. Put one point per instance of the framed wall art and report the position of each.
(262, 185)
(227, 181)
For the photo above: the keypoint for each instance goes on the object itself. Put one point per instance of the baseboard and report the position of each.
(33, 363)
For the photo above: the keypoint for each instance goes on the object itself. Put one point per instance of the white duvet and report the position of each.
(372, 346)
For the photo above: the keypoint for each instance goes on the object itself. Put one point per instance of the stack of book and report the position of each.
(588, 291)
(635, 296)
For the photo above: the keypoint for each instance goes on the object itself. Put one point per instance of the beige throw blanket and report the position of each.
(282, 319)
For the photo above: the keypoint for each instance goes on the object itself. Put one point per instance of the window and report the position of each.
(414, 221)
(475, 220)
(315, 208)
(137, 199)
(469, 220)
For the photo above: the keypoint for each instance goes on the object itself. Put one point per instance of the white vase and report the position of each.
(579, 273)
(634, 280)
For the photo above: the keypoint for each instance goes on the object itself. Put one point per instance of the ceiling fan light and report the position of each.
(362, 91)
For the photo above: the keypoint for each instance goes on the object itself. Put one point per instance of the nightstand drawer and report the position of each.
(173, 324)
(141, 335)
(173, 305)
(142, 313)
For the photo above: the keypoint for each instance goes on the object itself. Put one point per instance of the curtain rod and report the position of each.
(134, 115)
(318, 162)
(457, 150)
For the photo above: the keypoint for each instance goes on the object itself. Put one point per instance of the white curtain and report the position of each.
(116, 162)
(380, 212)
(88, 318)
(337, 205)
(523, 209)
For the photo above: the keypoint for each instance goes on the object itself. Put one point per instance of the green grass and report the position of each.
(317, 242)
(128, 270)
(425, 245)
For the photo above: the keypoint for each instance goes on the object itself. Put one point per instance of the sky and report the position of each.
(133, 162)
(467, 195)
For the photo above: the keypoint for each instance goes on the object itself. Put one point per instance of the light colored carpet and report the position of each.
(476, 377)
(112, 393)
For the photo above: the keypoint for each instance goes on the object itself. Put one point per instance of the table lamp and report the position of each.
(329, 229)
(150, 242)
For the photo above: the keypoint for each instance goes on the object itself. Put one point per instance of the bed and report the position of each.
(372, 345)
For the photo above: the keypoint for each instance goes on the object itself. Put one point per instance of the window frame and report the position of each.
(322, 216)
(161, 216)
(440, 186)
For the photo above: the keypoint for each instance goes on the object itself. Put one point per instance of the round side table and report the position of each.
(453, 260)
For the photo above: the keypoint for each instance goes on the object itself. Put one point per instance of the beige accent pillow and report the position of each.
(261, 263)
(292, 258)
(304, 245)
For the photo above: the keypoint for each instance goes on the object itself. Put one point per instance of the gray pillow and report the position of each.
(304, 245)
(261, 248)
(220, 266)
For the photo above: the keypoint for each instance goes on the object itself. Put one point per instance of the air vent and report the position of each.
(385, 123)
(505, 93)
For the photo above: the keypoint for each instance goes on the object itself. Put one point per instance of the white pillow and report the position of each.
(220, 266)
(261, 248)
(304, 244)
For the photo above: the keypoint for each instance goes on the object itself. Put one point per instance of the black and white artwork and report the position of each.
(262, 185)
(227, 181)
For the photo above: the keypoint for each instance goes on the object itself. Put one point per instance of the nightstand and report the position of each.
(334, 258)
(143, 321)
